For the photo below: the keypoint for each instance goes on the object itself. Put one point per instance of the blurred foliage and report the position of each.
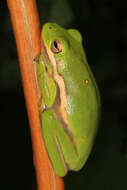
(105, 24)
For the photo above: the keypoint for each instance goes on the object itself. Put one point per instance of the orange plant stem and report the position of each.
(26, 28)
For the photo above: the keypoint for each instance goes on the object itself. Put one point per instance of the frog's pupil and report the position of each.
(55, 44)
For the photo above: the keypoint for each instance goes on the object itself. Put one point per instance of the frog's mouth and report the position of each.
(59, 107)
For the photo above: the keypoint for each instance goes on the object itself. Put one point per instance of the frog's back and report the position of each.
(83, 103)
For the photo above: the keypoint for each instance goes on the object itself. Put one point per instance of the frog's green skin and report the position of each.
(70, 104)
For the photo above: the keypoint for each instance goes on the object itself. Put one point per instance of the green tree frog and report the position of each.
(70, 103)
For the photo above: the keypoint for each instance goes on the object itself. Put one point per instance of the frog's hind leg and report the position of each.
(49, 125)
(60, 148)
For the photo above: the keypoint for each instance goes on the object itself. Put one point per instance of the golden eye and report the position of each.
(56, 46)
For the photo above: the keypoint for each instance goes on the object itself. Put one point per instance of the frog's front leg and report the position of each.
(60, 148)
(46, 83)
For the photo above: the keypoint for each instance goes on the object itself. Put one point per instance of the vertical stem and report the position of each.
(26, 28)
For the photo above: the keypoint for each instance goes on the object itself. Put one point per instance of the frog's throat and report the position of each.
(59, 107)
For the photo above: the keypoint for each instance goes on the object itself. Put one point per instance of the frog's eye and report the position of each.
(56, 46)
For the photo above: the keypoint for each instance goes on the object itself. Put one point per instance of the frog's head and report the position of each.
(58, 39)
(62, 44)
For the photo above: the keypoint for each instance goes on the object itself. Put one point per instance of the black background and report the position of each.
(104, 22)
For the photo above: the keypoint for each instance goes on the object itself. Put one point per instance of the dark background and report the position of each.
(104, 22)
